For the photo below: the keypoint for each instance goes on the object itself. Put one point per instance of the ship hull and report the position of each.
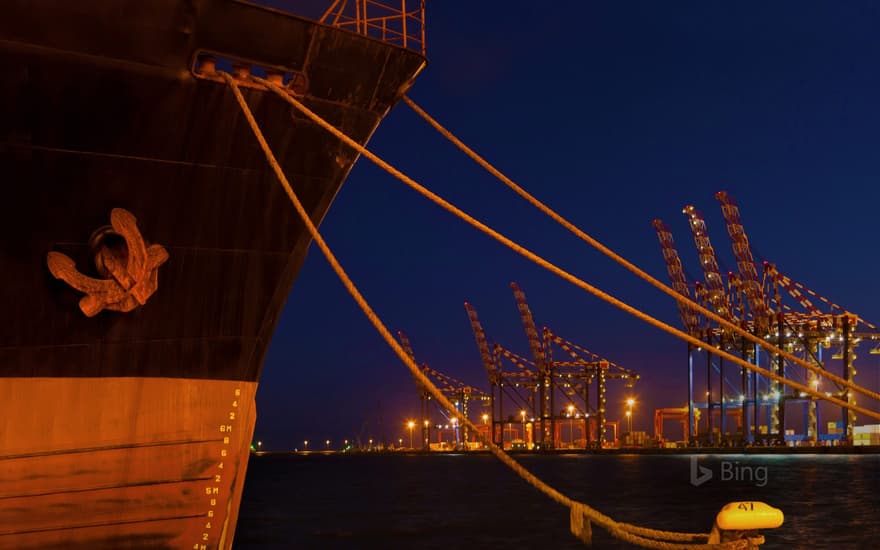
(114, 425)
(122, 462)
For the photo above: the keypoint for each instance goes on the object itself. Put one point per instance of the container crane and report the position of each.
(817, 330)
(490, 363)
(424, 394)
(590, 366)
(762, 314)
(545, 391)
(525, 377)
(459, 392)
(718, 298)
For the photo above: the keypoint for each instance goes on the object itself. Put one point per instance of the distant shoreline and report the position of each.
(855, 450)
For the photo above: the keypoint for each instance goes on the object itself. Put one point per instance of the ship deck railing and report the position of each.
(401, 23)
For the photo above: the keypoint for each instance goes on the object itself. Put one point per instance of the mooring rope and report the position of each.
(548, 265)
(592, 241)
(580, 514)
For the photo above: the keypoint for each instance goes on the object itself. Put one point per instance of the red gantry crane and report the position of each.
(519, 386)
(531, 386)
(584, 367)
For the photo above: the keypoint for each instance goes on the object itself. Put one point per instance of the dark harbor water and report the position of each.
(472, 501)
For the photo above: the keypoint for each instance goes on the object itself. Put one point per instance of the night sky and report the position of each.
(613, 113)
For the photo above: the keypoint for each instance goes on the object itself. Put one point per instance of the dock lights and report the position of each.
(410, 425)
(485, 418)
(630, 402)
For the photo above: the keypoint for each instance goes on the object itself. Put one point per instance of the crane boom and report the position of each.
(714, 284)
(792, 288)
(482, 344)
(613, 370)
(535, 345)
(751, 286)
(407, 347)
(544, 378)
(404, 343)
(676, 275)
(518, 361)
(452, 384)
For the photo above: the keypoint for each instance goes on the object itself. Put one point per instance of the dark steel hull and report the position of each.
(99, 109)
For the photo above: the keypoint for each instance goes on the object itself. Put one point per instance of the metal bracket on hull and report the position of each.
(205, 67)
(131, 268)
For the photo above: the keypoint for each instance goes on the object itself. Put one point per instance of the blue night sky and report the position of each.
(614, 113)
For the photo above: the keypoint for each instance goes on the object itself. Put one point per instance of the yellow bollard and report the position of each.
(742, 520)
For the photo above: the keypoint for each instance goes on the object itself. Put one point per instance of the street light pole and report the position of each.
(629, 412)
(410, 425)
(570, 426)
(489, 435)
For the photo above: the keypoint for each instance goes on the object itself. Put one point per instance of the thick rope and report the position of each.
(623, 261)
(629, 533)
(552, 267)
